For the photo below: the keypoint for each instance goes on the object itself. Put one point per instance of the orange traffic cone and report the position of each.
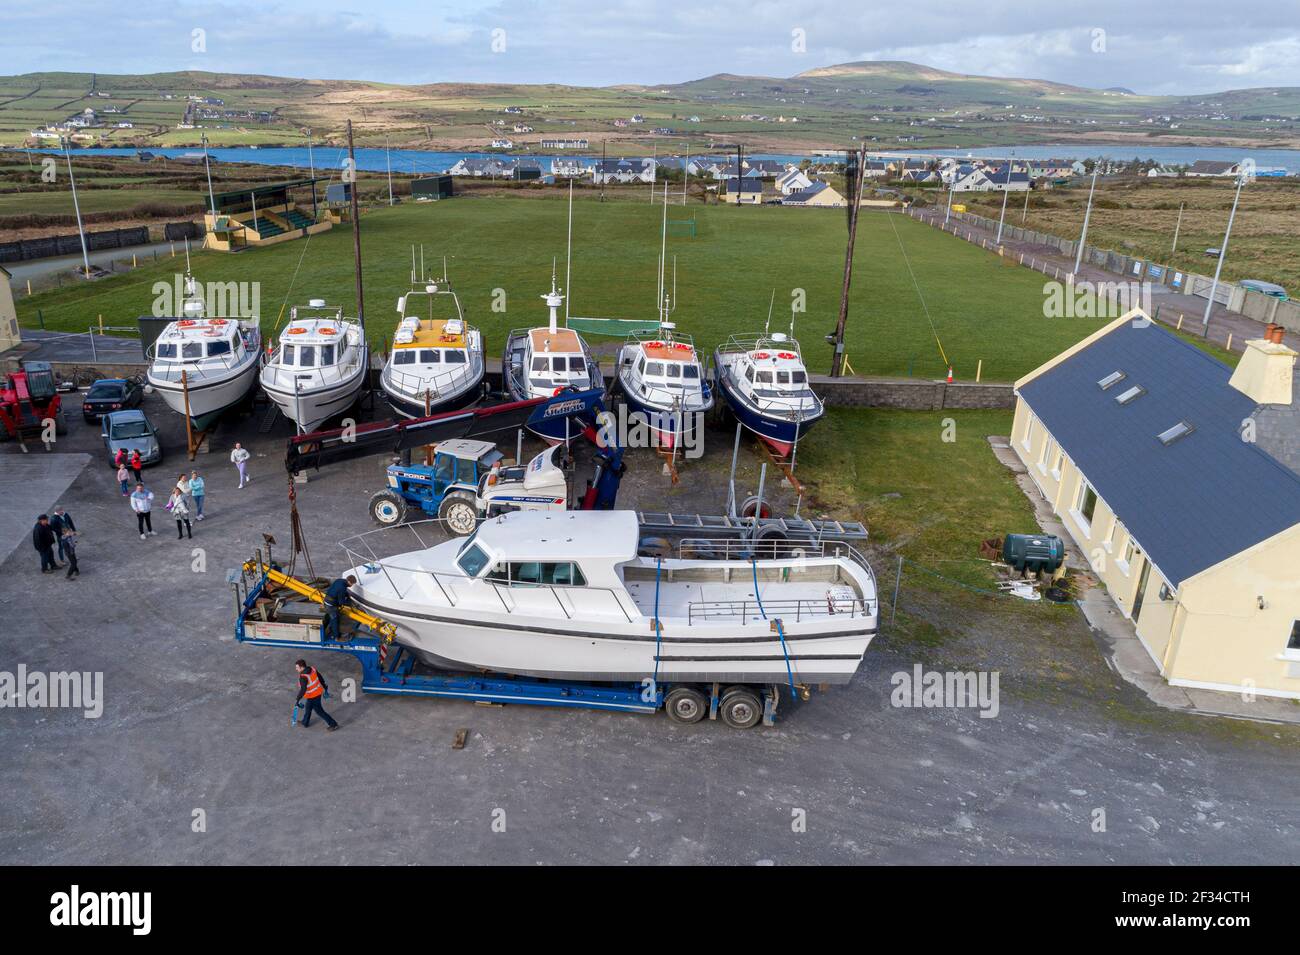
(950, 374)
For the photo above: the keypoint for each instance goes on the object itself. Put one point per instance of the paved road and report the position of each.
(33, 268)
(195, 732)
(1169, 305)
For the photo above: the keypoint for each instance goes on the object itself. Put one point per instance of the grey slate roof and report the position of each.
(1191, 504)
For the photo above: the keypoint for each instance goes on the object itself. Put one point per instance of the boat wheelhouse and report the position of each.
(319, 367)
(541, 362)
(568, 595)
(765, 383)
(436, 362)
(202, 366)
(661, 378)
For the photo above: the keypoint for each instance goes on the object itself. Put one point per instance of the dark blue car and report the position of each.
(111, 394)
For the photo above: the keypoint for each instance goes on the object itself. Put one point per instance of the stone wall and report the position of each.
(911, 394)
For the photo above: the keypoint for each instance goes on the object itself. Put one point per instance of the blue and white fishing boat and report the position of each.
(765, 384)
(541, 362)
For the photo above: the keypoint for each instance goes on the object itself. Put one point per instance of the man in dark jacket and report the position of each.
(43, 541)
(336, 598)
(59, 521)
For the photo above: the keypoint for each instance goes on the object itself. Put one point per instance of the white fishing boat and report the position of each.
(436, 362)
(567, 595)
(663, 381)
(201, 366)
(320, 366)
(541, 362)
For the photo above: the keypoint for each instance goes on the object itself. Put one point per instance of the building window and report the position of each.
(1085, 505)
(1057, 464)
(1029, 432)
(1110, 534)
(1294, 642)
(1045, 454)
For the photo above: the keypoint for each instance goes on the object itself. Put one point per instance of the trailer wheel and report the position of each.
(458, 513)
(741, 708)
(388, 508)
(685, 704)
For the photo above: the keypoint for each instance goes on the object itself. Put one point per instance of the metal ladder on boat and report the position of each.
(793, 527)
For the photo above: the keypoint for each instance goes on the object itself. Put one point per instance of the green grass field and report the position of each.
(93, 200)
(981, 309)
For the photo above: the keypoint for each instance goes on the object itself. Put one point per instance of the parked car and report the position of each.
(111, 394)
(131, 431)
(1264, 288)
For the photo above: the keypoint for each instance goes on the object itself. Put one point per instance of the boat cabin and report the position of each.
(557, 360)
(207, 340)
(668, 366)
(312, 343)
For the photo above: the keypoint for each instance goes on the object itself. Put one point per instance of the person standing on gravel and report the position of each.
(197, 492)
(142, 504)
(239, 458)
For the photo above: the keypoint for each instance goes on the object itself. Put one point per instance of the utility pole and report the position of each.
(1025, 214)
(1006, 192)
(854, 189)
(311, 162)
(389, 159)
(602, 170)
(948, 213)
(76, 206)
(212, 202)
(356, 233)
(686, 170)
(1078, 259)
(1177, 225)
(1223, 254)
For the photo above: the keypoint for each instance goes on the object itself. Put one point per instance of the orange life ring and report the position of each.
(681, 346)
(216, 321)
(786, 354)
(556, 392)
(185, 323)
(654, 344)
(295, 330)
(327, 331)
(760, 356)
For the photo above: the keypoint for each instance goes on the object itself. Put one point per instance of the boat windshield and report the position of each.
(472, 560)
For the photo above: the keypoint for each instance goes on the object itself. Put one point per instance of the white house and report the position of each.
(609, 171)
(792, 180)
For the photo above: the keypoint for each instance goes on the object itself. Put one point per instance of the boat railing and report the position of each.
(362, 552)
(436, 384)
(215, 366)
(752, 341)
(831, 605)
(292, 377)
(771, 548)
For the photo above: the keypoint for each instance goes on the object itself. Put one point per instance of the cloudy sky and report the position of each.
(1189, 47)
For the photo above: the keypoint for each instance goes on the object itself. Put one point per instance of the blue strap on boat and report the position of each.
(789, 673)
(659, 563)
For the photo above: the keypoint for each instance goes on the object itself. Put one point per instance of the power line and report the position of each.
(917, 285)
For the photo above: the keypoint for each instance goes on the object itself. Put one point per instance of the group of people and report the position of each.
(56, 531)
(186, 498)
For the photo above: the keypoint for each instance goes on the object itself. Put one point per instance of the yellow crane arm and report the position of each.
(281, 579)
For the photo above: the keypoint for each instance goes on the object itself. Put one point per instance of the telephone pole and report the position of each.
(853, 186)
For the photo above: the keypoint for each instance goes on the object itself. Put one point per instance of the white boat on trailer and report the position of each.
(567, 595)
(320, 367)
(201, 366)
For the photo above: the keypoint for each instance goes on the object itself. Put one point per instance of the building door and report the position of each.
(1142, 589)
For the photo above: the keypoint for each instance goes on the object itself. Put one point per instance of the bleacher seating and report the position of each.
(297, 219)
(264, 227)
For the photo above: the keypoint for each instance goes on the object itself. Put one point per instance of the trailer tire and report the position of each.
(387, 508)
(741, 708)
(458, 513)
(685, 704)
(749, 507)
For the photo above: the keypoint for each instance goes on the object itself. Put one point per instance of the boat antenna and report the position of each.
(356, 234)
(568, 259)
(412, 263)
(663, 256)
(768, 323)
(553, 299)
(792, 314)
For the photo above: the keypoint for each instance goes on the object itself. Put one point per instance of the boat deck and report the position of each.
(717, 601)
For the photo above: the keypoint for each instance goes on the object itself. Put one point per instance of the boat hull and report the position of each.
(310, 409)
(208, 398)
(781, 433)
(668, 429)
(410, 407)
(621, 651)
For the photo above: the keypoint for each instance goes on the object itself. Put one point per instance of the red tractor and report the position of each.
(29, 398)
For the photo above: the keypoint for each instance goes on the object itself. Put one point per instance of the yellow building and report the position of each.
(746, 190)
(10, 335)
(818, 194)
(1179, 479)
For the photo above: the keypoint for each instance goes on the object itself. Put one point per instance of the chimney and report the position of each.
(1264, 372)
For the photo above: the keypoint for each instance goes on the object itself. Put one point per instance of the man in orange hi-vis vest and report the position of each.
(311, 688)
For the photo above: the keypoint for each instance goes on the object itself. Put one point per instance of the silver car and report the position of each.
(131, 431)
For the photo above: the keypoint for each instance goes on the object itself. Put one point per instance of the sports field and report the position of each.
(978, 309)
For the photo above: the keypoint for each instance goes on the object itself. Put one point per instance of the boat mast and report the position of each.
(553, 300)
(356, 234)
(568, 259)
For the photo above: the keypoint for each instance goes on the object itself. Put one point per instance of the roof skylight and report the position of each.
(1182, 429)
(1126, 396)
(1112, 378)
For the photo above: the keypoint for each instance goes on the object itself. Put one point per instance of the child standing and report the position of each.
(123, 476)
(136, 464)
(70, 550)
(197, 490)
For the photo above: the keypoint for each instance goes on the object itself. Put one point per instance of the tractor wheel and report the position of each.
(388, 508)
(458, 513)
